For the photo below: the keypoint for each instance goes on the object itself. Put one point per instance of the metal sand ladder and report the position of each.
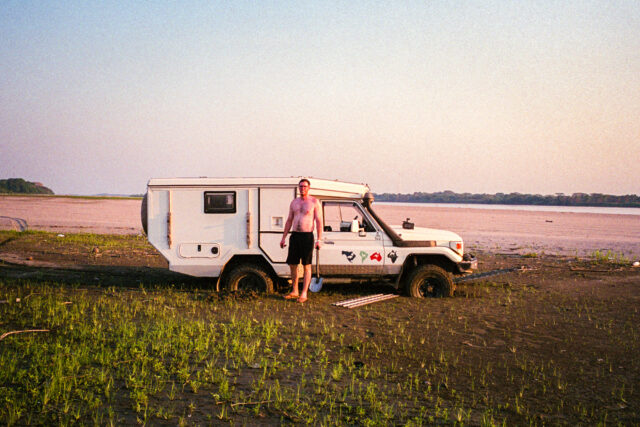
(357, 302)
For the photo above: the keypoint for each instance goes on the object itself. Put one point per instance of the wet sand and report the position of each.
(498, 231)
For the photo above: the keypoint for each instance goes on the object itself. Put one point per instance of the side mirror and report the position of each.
(355, 226)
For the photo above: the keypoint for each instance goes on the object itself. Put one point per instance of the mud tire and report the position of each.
(249, 277)
(429, 281)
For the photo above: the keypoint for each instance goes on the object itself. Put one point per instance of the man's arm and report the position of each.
(287, 226)
(319, 227)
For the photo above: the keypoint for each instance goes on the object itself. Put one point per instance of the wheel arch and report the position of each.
(244, 259)
(415, 260)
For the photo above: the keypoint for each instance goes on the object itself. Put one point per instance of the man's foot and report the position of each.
(292, 296)
(302, 300)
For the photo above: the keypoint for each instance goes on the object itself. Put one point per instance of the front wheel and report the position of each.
(249, 277)
(429, 281)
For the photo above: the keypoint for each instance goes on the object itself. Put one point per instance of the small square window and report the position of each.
(220, 202)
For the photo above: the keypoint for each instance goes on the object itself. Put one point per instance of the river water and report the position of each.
(538, 208)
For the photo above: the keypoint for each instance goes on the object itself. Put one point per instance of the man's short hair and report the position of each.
(304, 180)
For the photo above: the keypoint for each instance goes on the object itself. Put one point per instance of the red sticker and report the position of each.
(376, 256)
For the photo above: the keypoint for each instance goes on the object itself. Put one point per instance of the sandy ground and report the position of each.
(501, 231)
(561, 233)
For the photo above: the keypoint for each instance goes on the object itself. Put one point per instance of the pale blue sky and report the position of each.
(486, 96)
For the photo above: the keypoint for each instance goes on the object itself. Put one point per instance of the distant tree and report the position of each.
(559, 199)
(20, 186)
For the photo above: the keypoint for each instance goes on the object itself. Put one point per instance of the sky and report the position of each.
(484, 96)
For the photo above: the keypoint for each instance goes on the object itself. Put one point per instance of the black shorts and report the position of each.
(300, 248)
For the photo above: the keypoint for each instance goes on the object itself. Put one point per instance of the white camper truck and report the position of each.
(230, 229)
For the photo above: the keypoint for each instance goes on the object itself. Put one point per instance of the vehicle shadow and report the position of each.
(158, 277)
(103, 276)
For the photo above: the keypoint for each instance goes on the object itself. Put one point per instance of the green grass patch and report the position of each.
(114, 357)
(160, 354)
(609, 257)
(74, 241)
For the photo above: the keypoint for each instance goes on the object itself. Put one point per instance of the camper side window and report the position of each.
(219, 202)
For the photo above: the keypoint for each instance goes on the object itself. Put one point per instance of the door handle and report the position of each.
(329, 242)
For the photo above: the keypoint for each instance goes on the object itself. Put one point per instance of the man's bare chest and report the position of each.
(303, 208)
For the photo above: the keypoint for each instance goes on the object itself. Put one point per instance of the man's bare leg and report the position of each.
(294, 282)
(306, 283)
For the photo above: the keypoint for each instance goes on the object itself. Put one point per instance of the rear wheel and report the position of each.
(249, 277)
(429, 281)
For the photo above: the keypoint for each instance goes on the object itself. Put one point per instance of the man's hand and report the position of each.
(283, 243)
(318, 244)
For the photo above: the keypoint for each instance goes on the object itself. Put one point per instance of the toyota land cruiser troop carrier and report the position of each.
(230, 229)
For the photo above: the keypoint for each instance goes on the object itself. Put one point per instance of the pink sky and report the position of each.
(489, 97)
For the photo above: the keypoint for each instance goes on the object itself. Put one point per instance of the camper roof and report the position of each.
(319, 186)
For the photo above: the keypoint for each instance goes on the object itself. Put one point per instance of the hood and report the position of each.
(418, 237)
(442, 237)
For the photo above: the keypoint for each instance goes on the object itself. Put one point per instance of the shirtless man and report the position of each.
(304, 213)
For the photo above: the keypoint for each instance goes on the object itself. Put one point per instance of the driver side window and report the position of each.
(339, 215)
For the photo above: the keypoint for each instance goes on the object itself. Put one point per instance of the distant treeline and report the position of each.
(20, 186)
(576, 199)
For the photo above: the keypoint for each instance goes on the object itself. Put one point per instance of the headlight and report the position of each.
(457, 246)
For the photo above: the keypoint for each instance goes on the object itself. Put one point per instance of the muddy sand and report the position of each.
(498, 231)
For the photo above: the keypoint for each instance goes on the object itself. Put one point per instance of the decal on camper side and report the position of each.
(376, 256)
(363, 256)
(350, 255)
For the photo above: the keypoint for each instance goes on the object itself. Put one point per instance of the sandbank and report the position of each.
(498, 231)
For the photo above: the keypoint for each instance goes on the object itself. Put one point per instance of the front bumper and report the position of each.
(468, 264)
